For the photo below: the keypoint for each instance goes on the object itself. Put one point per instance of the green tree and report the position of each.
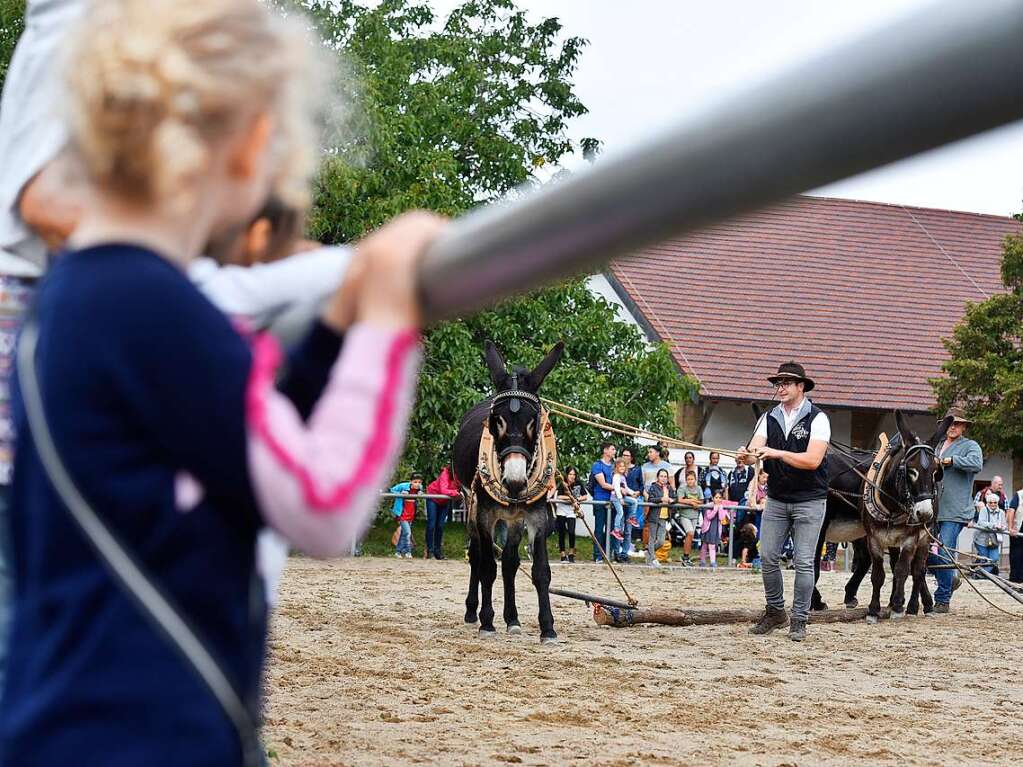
(453, 113)
(449, 114)
(12, 23)
(607, 368)
(984, 373)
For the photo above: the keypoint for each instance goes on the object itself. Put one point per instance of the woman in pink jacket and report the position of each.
(437, 511)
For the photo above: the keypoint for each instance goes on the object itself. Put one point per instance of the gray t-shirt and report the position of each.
(650, 471)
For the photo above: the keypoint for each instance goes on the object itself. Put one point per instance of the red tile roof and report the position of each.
(860, 293)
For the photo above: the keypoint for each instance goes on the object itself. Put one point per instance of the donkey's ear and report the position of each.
(908, 437)
(495, 363)
(941, 432)
(546, 365)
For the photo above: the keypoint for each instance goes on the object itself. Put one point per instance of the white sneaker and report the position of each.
(655, 564)
(397, 555)
(408, 555)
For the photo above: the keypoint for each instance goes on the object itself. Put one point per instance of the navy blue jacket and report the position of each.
(145, 393)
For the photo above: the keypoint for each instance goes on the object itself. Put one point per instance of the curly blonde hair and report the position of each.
(154, 85)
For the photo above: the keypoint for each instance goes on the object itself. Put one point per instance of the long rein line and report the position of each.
(559, 477)
(964, 572)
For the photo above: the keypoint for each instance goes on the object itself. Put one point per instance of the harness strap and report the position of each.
(541, 470)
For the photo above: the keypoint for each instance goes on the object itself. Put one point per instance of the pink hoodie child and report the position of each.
(710, 529)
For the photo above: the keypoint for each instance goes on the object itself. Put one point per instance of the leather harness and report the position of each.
(872, 492)
(543, 461)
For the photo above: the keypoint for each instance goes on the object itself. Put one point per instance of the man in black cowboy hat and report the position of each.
(792, 440)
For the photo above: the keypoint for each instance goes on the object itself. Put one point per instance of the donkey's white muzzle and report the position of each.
(513, 471)
(923, 510)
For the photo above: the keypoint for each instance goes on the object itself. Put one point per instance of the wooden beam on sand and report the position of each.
(668, 616)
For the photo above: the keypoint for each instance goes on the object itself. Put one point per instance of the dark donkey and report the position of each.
(513, 418)
(895, 520)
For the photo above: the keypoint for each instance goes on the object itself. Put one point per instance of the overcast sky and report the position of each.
(651, 61)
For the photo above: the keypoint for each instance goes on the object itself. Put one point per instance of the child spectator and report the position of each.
(155, 384)
(404, 509)
(746, 542)
(634, 479)
(690, 498)
(564, 511)
(661, 495)
(624, 502)
(710, 529)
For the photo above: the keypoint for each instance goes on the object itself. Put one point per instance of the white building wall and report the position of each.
(598, 284)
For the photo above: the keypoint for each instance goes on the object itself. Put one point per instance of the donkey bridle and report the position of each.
(515, 397)
(905, 499)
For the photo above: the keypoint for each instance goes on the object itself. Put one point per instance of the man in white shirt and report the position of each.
(792, 440)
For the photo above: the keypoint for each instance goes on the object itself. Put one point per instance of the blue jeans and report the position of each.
(623, 508)
(599, 527)
(619, 515)
(948, 534)
(640, 516)
(6, 577)
(436, 516)
(994, 553)
(405, 539)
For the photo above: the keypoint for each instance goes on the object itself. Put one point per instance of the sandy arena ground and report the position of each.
(371, 664)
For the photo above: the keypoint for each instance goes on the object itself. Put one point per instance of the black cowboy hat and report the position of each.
(794, 371)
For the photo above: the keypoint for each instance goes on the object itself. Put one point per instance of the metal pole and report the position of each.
(589, 598)
(951, 71)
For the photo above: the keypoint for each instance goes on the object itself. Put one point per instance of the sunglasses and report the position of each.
(784, 384)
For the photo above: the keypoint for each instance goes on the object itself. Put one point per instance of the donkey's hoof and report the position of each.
(851, 604)
(515, 628)
(897, 616)
(549, 640)
(470, 618)
(487, 633)
(872, 619)
(928, 613)
(819, 607)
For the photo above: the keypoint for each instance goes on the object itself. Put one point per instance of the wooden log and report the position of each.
(668, 616)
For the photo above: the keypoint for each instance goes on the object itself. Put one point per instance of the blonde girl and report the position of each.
(185, 117)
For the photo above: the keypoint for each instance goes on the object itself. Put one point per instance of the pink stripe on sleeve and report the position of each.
(317, 482)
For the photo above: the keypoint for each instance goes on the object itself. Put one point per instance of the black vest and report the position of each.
(787, 483)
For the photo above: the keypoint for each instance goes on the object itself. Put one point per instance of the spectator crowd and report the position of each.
(645, 511)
